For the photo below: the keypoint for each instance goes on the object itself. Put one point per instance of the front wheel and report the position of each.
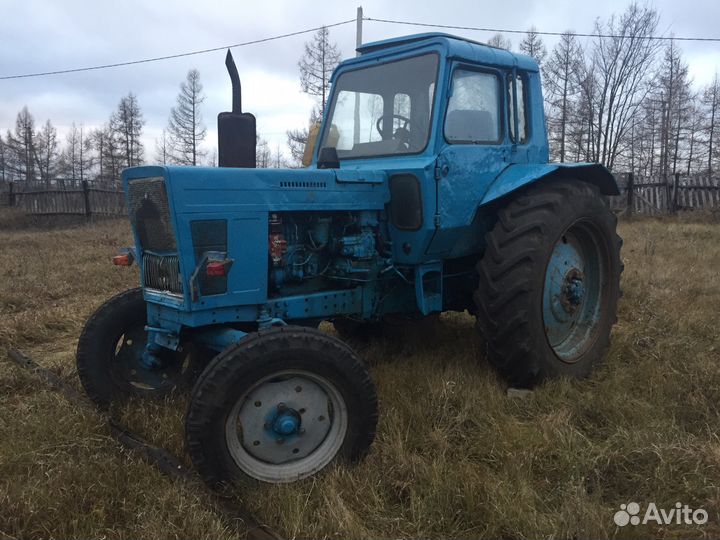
(279, 406)
(111, 359)
(549, 283)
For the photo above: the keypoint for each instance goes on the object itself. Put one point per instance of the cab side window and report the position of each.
(520, 86)
(473, 111)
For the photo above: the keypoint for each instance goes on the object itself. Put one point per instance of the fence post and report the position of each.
(86, 196)
(676, 183)
(11, 194)
(630, 192)
(668, 195)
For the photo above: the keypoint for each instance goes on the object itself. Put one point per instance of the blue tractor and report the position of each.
(429, 190)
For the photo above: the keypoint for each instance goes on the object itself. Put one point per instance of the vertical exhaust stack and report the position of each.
(237, 132)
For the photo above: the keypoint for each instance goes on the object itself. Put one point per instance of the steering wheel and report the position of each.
(402, 131)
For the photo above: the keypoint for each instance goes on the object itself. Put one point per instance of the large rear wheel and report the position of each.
(549, 283)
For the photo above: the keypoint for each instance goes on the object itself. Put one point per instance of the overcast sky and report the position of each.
(46, 35)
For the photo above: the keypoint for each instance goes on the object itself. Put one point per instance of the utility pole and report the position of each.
(358, 42)
(358, 29)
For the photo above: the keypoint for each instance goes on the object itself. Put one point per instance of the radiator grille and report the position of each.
(150, 214)
(162, 273)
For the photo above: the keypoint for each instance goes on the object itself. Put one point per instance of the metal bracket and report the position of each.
(206, 257)
(442, 168)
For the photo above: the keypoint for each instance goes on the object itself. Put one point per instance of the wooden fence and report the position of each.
(666, 195)
(638, 196)
(85, 200)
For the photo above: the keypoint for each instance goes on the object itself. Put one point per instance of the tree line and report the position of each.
(34, 155)
(626, 100)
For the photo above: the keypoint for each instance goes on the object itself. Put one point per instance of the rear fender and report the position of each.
(517, 176)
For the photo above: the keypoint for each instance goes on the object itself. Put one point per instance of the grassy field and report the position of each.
(455, 457)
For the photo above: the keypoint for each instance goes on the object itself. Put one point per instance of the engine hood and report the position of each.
(216, 189)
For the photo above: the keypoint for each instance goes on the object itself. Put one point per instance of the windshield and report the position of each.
(382, 110)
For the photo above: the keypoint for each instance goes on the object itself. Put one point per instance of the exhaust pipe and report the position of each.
(237, 131)
(235, 81)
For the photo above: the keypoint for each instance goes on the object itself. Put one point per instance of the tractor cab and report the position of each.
(414, 96)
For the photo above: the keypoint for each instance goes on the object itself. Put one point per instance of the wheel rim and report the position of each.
(133, 367)
(287, 426)
(575, 278)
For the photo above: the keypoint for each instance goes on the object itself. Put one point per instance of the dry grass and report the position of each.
(454, 457)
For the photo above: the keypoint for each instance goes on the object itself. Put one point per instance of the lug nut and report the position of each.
(301, 431)
(281, 406)
(279, 440)
(298, 388)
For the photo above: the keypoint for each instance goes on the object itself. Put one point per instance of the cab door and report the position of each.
(479, 135)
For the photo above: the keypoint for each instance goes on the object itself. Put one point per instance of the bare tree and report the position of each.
(581, 133)
(86, 158)
(694, 129)
(562, 87)
(99, 144)
(672, 91)
(76, 158)
(162, 148)
(277, 159)
(185, 126)
(110, 156)
(4, 172)
(263, 153)
(533, 46)
(500, 41)
(321, 57)
(622, 58)
(126, 124)
(22, 146)
(212, 159)
(71, 153)
(711, 101)
(46, 152)
(297, 139)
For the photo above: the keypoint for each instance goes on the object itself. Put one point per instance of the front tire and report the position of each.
(279, 406)
(549, 283)
(109, 354)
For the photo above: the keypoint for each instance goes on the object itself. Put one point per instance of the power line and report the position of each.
(506, 31)
(315, 29)
(171, 56)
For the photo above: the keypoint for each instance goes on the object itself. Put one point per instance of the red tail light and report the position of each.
(123, 260)
(216, 269)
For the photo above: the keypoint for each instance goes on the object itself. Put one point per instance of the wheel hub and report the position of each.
(573, 291)
(287, 422)
(143, 365)
(284, 420)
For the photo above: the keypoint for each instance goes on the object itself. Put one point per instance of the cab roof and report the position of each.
(455, 47)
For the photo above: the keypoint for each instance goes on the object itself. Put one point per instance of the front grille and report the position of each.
(150, 214)
(162, 273)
